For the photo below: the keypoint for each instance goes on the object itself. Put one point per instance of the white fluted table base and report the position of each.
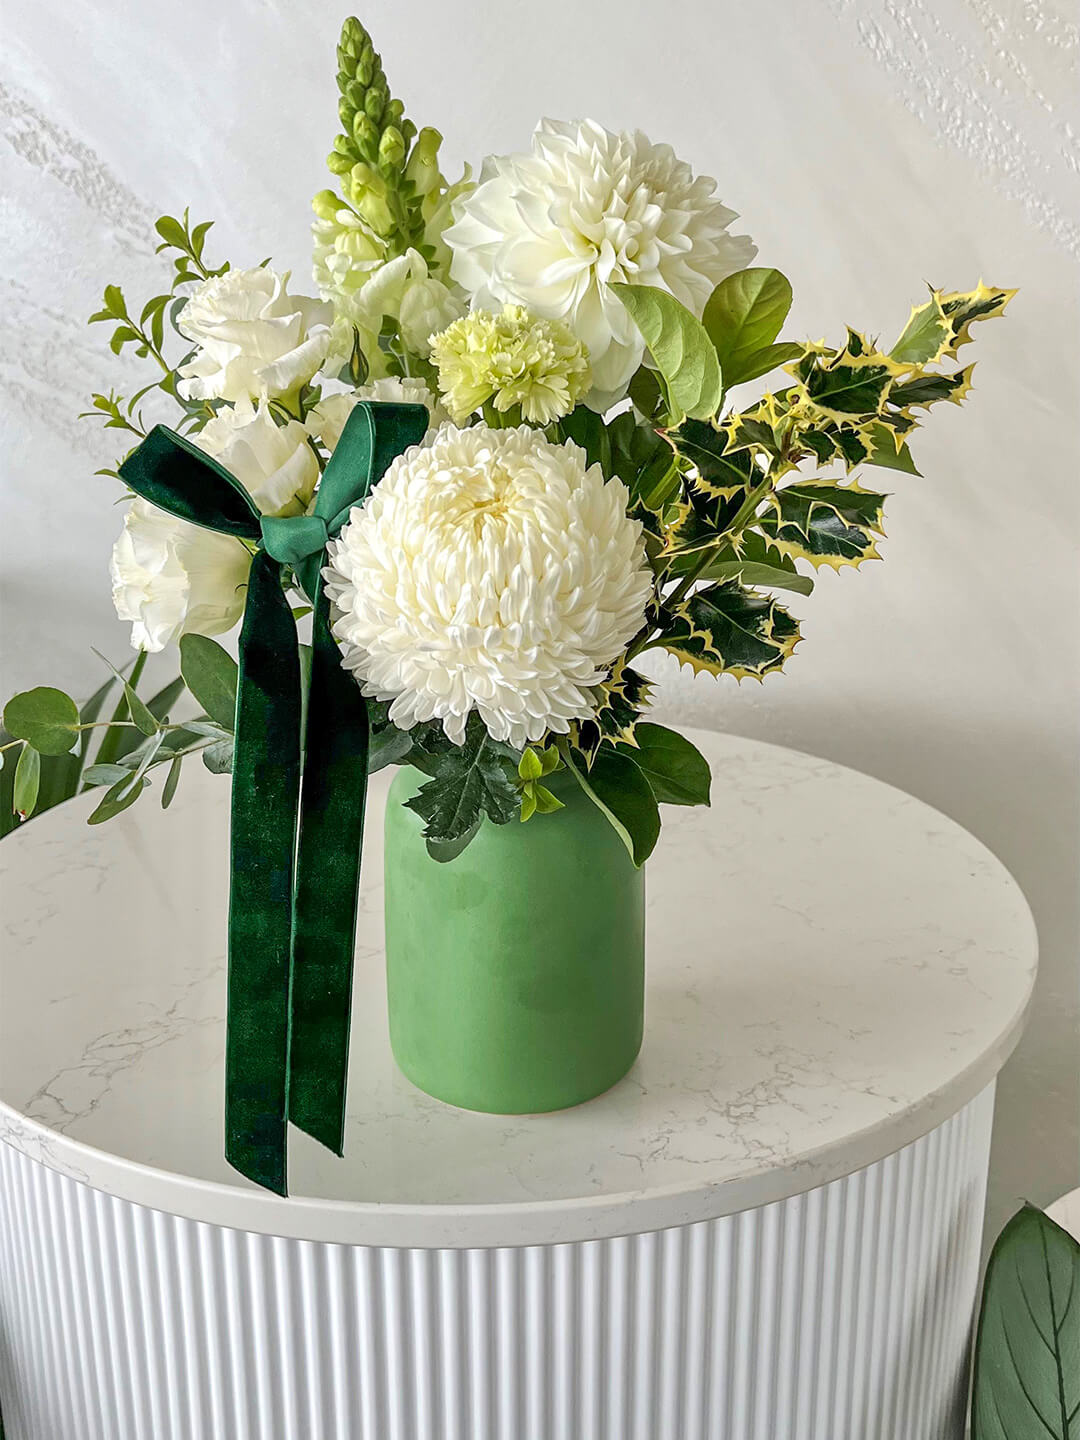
(840, 1314)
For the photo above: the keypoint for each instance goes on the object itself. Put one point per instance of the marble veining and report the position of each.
(834, 969)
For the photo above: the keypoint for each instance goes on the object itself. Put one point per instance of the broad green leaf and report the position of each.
(726, 630)
(643, 460)
(546, 802)
(530, 766)
(160, 704)
(1027, 1349)
(824, 523)
(587, 429)
(645, 391)
(106, 774)
(680, 347)
(468, 781)
(45, 718)
(210, 673)
(27, 778)
(743, 316)
(748, 572)
(677, 771)
(615, 784)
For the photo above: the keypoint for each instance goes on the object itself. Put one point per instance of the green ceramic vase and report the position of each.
(516, 972)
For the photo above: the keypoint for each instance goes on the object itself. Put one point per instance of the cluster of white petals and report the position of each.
(553, 229)
(489, 570)
(327, 419)
(402, 290)
(171, 578)
(255, 340)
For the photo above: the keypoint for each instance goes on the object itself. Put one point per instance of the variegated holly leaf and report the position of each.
(825, 523)
(721, 472)
(926, 389)
(849, 385)
(889, 449)
(962, 308)
(725, 629)
(937, 329)
(759, 427)
(620, 701)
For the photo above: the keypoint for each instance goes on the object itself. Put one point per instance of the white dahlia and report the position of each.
(489, 570)
(551, 230)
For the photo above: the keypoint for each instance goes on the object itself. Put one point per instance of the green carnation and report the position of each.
(515, 360)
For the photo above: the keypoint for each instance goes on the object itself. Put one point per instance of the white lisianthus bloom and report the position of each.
(553, 229)
(274, 463)
(489, 570)
(327, 418)
(256, 341)
(401, 290)
(172, 578)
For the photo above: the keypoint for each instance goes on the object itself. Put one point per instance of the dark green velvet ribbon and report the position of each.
(297, 794)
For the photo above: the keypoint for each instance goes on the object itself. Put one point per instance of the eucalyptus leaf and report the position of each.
(27, 779)
(140, 715)
(742, 317)
(210, 673)
(1027, 1349)
(620, 790)
(171, 782)
(106, 774)
(676, 769)
(120, 739)
(680, 347)
(45, 718)
(218, 758)
(118, 798)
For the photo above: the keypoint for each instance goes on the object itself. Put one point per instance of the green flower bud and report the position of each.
(365, 135)
(368, 192)
(374, 104)
(423, 167)
(338, 164)
(391, 150)
(326, 205)
(394, 114)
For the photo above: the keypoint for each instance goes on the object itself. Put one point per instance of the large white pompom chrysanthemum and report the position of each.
(489, 570)
(553, 229)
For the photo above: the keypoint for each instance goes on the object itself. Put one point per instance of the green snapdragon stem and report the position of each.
(297, 801)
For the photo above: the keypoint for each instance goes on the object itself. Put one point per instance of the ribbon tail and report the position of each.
(327, 886)
(265, 791)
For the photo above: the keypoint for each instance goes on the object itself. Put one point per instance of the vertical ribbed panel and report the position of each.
(840, 1314)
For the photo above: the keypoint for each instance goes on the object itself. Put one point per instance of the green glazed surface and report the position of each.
(515, 972)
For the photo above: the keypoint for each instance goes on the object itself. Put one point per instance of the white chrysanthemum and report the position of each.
(552, 229)
(327, 418)
(489, 570)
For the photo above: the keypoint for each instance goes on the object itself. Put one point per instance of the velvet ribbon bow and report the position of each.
(298, 793)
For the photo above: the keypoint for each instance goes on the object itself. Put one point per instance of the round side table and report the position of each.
(770, 1230)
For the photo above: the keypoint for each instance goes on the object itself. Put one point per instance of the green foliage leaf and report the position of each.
(210, 673)
(620, 790)
(587, 429)
(388, 746)
(645, 392)
(140, 715)
(846, 385)
(889, 450)
(742, 317)
(619, 703)
(676, 769)
(681, 348)
(1027, 1350)
(118, 798)
(218, 758)
(825, 523)
(925, 337)
(106, 774)
(45, 718)
(27, 779)
(644, 461)
(725, 629)
(468, 781)
(446, 850)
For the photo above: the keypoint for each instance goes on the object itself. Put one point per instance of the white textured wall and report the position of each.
(869, 144)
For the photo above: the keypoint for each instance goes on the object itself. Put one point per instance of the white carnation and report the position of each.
(328, 417)
(172, 578)
(489, 570)
(553, 229)
(275, 463)
(256, 341)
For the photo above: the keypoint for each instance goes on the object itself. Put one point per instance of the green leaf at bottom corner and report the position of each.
(621, 791)
(675, 768)
(45, 718)
(210, 673)
(1027, 1349)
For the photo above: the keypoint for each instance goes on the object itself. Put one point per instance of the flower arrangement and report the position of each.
(501, 456)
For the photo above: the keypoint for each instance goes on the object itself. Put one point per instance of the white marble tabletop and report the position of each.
(834, 968)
